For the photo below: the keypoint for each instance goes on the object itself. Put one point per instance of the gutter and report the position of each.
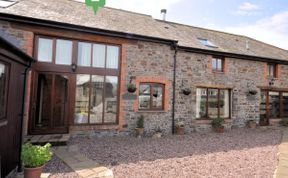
(233, 55)
(20, 167)
(175, 47)
(67, 26)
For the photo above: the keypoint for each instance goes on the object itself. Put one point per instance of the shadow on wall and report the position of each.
(124, 150)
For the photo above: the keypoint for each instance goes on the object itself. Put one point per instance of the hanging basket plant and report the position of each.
(131, 87)
(252, 92)
(186, 91)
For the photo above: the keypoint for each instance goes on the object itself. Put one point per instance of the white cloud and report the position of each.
(247, 8)
(272, 30)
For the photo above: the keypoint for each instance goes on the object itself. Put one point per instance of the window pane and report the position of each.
(99, 55)
(84, 54)
(96, 103)
(285, 104)
(157, 100)
(82, 99)
(111, 90)
(201, 99)
(214, 63)
(219, 64)
(64, 52)
(45, 47)
(112, 57)
(144, 96)
(274, 104)
(271, 70)
(224, 103)
(3, 83)
(212, 103)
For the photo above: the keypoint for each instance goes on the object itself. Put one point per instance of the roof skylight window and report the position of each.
(7, 3)
(207, 43)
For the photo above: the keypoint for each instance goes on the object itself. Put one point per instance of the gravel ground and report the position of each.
(59, 169)
(238, 153)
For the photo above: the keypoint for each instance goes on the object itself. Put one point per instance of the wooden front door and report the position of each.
(49, 110)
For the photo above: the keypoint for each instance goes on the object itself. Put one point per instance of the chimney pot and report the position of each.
(164, 12)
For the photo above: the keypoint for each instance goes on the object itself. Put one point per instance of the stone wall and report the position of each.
(194, 70)
(148, 62)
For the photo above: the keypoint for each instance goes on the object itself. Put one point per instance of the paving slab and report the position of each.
(282, 168)
(82, 165)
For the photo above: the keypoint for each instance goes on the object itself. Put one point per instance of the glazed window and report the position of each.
(45, 50)
(272, 72)
(55, 51)
(151, 96)
(207, 43)
(212, 103)
(96, 99)
(274, 104)
(98, 55)
(3, 89)
(218, 64)
(63, 52)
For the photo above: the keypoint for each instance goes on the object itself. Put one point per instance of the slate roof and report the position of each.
(71, 12)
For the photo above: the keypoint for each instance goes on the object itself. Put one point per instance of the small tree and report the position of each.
(140, 121)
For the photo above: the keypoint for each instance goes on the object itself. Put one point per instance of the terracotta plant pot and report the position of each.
(180, 130)
(33, 172)
(252, 124)
(139, 131)
(219, 129)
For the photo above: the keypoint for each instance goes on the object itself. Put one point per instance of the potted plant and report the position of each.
(34, 158)
(180, 128)
(158, 133)
(186, 91)
(217, 124)
(284, 122)
(131, 87)
(140, 126)
(251, 124)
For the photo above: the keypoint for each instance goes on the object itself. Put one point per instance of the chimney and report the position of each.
(164, 12)
(247, 45)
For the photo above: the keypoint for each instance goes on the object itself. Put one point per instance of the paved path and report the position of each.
(282, 169)
(83, 166)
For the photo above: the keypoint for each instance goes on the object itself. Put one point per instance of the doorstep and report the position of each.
(54, 139)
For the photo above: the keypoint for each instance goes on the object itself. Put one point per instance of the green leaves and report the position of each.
(95, 4)
(35, 155)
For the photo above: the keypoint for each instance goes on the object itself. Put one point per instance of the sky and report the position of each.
(264, 20)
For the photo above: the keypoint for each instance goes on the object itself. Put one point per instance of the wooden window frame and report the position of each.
(281, 104)
(275, 66)
(217, 58)
(60, 68)
(218, 99)
(151, 96)
(7, 78)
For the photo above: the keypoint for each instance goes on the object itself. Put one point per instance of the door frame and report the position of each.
(33, 105)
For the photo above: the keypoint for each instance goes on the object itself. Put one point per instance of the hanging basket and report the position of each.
(186, 91)
(131, 88)
(252, 92)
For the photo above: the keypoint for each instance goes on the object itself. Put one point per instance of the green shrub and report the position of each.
(218, 122)
(140, 122)
(284, 122)
(131, 86)
(35, 155)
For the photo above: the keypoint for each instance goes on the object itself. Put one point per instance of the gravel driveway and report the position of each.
(238, 153)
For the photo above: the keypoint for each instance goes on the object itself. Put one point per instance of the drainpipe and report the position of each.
(22, 117)
(175, 47)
